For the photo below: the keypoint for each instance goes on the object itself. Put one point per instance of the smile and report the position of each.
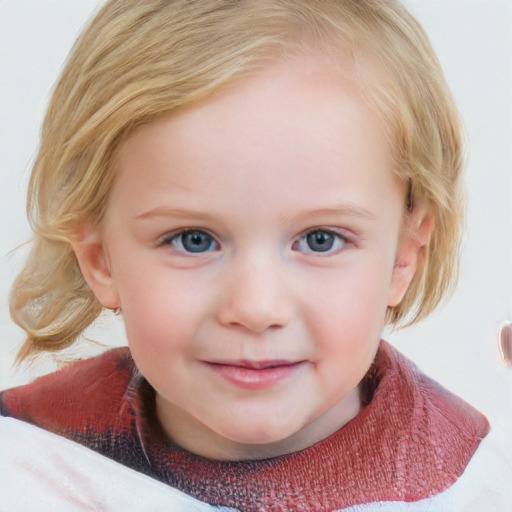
(255, 375)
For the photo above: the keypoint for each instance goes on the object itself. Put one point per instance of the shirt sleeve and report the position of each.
(43, 471)
(485, 485)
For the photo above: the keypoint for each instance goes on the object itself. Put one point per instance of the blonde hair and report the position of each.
(139, 59)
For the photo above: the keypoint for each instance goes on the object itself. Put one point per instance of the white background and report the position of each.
(458, 345)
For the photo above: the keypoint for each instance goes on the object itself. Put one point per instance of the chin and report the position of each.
(260, 434)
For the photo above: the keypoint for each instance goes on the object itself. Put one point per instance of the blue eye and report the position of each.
(192, 241)
(319, 241)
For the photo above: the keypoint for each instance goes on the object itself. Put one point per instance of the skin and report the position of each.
(256, 327)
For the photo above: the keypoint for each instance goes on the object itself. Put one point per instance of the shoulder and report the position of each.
(74, 397)
(432, 433)
(68, 476)
(484, 485)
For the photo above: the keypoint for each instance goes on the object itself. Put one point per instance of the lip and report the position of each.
(255, 375)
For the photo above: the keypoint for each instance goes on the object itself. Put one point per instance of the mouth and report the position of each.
(255, 375)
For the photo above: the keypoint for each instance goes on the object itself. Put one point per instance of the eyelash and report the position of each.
(176, 237)
(337, 240)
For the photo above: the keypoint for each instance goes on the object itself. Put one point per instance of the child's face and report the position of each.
(251, 243)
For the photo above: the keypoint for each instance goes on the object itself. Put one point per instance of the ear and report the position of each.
(94, 265)
(415, 235)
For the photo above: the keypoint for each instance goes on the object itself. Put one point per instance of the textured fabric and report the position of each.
(412, 441)
(485, 485)
(43, 472)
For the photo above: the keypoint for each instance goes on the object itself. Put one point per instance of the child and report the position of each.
(258, 188)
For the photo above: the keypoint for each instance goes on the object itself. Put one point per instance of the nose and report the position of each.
(257, 296)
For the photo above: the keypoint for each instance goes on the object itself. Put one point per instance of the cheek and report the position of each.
(161, 333)
(346, 324)
(160, 311)
(347, 310)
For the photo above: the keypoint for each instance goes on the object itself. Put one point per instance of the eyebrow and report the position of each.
(345, 209)
(348, 209)
(167, 211)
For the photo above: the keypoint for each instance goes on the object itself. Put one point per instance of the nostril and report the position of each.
(256, 318)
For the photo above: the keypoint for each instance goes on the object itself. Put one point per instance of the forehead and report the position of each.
(297, 121)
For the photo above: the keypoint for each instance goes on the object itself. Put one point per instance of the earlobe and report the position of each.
(94, 265)
(415, 237)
